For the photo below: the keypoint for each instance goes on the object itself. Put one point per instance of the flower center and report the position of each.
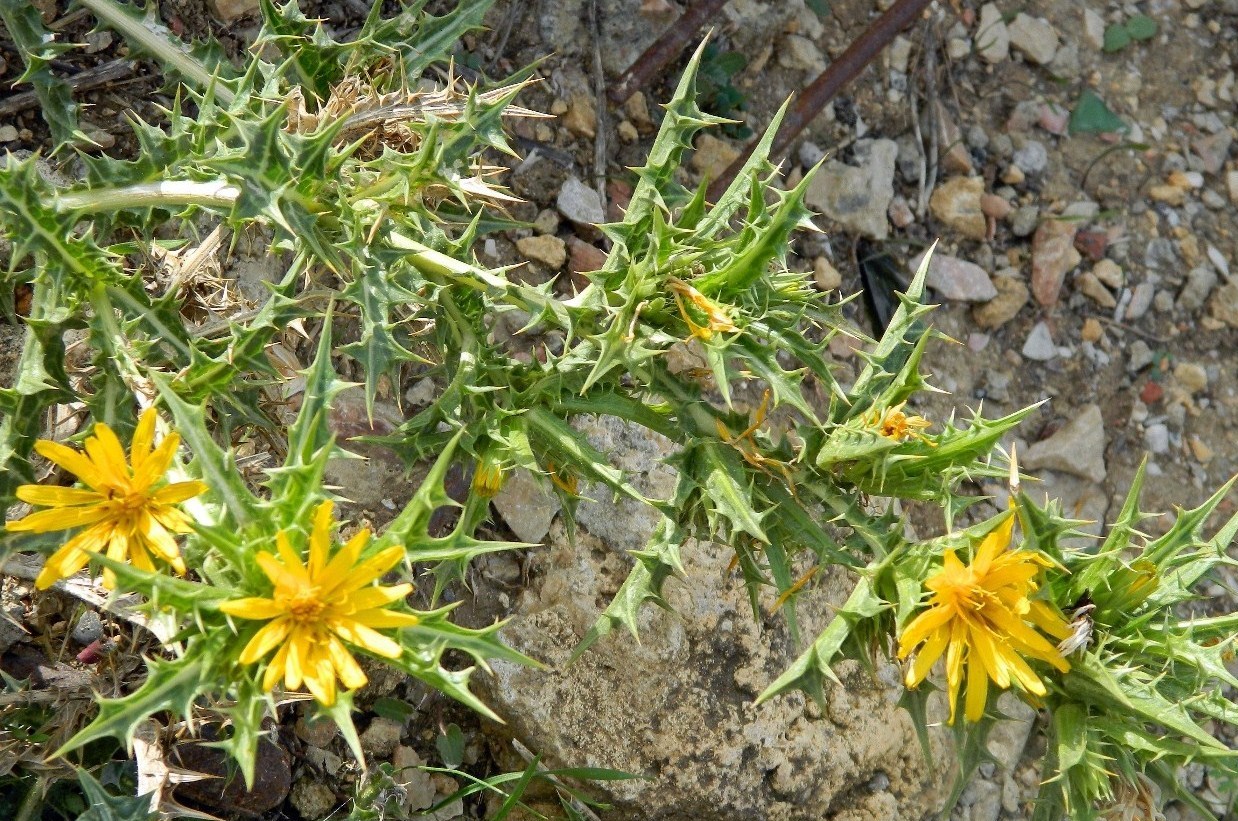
(305, 606)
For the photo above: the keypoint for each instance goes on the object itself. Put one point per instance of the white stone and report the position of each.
(1034, 37)
(992, 36)
(1039, 345)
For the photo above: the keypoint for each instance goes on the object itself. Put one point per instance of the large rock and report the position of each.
(1078, 448)
(678, 706)
(857, 198)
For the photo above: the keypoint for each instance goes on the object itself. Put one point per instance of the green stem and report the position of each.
(168, 193)
(159, 42)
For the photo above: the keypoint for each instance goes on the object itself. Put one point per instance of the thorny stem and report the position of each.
(214, 194)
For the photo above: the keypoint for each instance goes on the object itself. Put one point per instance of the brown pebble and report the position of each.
(1092, 244)
(1092, 330)
(994, 206)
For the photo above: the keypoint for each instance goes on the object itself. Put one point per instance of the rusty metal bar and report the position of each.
(813, 98)
(666, 48)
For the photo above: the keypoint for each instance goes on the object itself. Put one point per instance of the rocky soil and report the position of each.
(1082, 262)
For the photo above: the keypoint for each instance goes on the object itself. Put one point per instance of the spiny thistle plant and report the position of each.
(365, 163)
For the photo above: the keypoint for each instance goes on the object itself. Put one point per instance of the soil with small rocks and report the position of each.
(1094, 273)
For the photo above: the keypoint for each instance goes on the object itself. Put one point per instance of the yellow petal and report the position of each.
(320, 679)
(320, 540)
(921, 626)
(350, 672)
(265, 640)
(143, 438)
(74, 462)
(343, 565)
(371, 597)
(385, 618)
(984, 651)
(51, 496)
(48, 521)
(279, 575)
(252, 608)
(275, 670)
(60, 565)
(157, 464)
(926, 657)
(977, 690)
(105, 451)
(178, 492)
(290, 558)
(993, 544)
(1048, 619)
(362, 573)
(298, 655)
(365, 638)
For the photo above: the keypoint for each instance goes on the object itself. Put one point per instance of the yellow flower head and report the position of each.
(716, 319)
(319, 607)
(892, 423)
(122, 507)
(984, 618)
(488, 478)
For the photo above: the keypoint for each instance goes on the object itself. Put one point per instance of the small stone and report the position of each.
(627, 132)
(826, 275)
(899, 213)
(228, 10)
(1053, 255)
(1093, 29)
(1078, 448)
(97, 41)
(1218, 260)
(995, 207)
(1092, 244)
(549, 251)
(1191, 377)
(1032, 157)
(581, 116)
(1168, 194)
(1091, 287)
(316, 732)
(1231, 185)
(857, 198)
(7, 133)
(1156, 438)
(977, 342)
(417, 783)
(1199, 284)
(1054, 119)
(1035, 37)
(957, 204)
(1092, 330)
(527, 506)
(713, 156)
(992, 36)
(1039, 344)
(637, 109)
(1163, 302)
(1013, 175)
(810, 154)
(1201, 452)
(898, 55)
(977, 137)
(324, 760)
(957, 48)
(312, 799)
(580, 203)
(381, 737)
(1213, 150)
(547, 221)
(1139, 356)
(89, 628)
(1024, 220)
(1141, 300)
(1012, 295)
(957, 279)
(96, 139)
(1109, 272)
(800, 53)
(584, 257)
(1151, 392)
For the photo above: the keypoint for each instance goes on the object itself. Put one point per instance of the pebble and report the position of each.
(1156, 437)
(1139, 356)
(1199, 284)
(1231, 185)
(583, 257)
(580, 203)
(826, 275)
(1039, 345)
(527, 505)
(899, 213)
(800, 52)
(1013, 175)
(381, 737)
(1032, 157)
(1024, 220)
(992, 36)
(1191, 377)
(977, 137)
(1201, 452)
(1092, 244)
(8, 134)
(713, 156)
(1078, 448)
(547, 221)
(995, 207)
(1163, 302)
(956, 279)
(637, 109)
(857, 198)
(1034, 37)
(1091, 287)
(549, 251)
(627, 132)
(1054, 119)
(581, 116)
(956, 203)
(1109, 272)
(89, 628)
(1092, 330)
(1093, 29)
(1053, 255)
(1218, 260)
(1140, 302)
(312, 799)
(810, 154)
(1012, 295)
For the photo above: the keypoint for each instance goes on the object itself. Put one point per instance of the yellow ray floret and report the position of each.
(125, 511)
(892, 423)
(984, 619)
(321, 607)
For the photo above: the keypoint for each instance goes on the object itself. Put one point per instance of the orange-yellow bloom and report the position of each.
(894, 424)
(984, 619)
(716, 319)
(319, 607)
(124, 510)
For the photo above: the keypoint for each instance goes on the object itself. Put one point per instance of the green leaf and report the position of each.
(1141, 27)
(1092, 116)
(450, 746)
(38, 48)
(1117, 37)
(107, 807)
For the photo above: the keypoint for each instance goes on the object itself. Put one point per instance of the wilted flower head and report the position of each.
(127, 510)
(318, 608)
(892, 423)
(984, 618)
